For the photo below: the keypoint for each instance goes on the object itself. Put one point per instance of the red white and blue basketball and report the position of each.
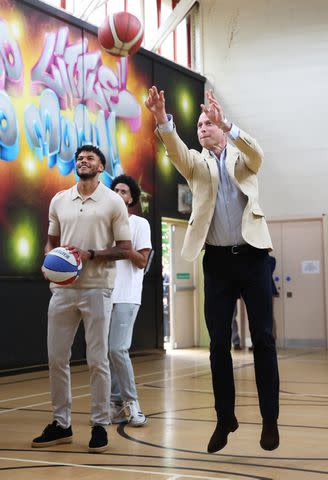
(121, 34)
(62, 266)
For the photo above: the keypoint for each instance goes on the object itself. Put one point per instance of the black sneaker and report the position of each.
(99, 440)
(52, 435)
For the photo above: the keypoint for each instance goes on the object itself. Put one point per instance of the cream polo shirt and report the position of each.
(93, 223)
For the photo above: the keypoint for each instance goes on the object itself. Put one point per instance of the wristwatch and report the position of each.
(92, 253)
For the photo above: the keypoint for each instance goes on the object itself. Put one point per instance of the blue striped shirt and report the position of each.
(225, 228)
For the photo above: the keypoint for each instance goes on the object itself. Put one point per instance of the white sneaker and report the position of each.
(135, 417)
(117, 413)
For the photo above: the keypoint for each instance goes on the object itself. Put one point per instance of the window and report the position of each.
(114, 6)
(150, 22)
(152, 13)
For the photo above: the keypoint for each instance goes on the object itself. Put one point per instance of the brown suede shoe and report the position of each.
(219, 438)
(270, 436)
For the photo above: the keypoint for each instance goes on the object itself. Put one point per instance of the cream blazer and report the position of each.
(243, 161)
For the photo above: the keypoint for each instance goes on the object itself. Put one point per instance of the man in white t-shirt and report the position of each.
(126, 303)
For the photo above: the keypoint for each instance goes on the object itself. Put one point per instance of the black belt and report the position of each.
(237, 249)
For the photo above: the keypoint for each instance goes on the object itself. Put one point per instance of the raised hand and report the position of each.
(156, 104)
(214, 110)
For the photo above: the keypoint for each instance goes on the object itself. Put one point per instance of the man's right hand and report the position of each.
(156, 105)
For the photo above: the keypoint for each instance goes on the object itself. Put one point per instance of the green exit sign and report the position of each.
(183, 276)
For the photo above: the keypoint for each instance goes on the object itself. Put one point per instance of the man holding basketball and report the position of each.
(87, 218)
(227, 218)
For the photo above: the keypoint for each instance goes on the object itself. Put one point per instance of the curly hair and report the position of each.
(132, 184)
(91, 148)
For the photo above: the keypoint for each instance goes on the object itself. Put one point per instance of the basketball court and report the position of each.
(176, 395)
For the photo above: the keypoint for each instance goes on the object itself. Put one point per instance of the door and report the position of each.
(182, 291)
(278, 301)
(300, 308)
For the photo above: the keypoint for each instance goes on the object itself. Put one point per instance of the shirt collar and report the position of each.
(222, 155)
(95, 196)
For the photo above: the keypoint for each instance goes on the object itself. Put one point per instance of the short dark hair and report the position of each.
(132, 184)
(91, 148)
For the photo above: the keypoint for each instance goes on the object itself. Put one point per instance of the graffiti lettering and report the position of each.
(56, 138)
(42, 127)
(9, 133)
(11, 62)
(78, 76)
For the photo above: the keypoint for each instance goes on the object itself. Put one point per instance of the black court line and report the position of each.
(154, 467)
(305, 394)
(155, 416)
(249, 395)
(121, 431)
(28, 467)
(210, 457)
(209, 407)
(193, 469)
(44, 377)
(161, 358)
(285, 381)
(288, 356)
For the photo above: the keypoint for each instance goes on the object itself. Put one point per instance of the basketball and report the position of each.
(121, 34)
(61, 266)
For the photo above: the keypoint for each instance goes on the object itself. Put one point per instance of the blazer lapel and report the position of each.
(231, 158)
(213, 169)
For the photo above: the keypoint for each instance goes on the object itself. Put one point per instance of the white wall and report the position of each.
(268, 63)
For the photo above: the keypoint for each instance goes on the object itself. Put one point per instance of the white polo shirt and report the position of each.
(96, 222)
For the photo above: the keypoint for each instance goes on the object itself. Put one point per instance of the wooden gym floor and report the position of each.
(175, 393)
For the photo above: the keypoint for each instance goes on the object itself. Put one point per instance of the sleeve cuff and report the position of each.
(234, 132)
(167, 126)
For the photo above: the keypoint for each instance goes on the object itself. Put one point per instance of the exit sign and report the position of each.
(183, 276)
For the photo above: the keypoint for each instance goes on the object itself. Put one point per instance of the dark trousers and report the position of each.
(226, 276)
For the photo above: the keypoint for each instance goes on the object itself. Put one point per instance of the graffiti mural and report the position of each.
(59, 90)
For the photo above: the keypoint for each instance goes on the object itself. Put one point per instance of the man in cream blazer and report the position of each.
(226, 218)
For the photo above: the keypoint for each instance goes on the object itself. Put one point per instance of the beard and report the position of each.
(86, 176)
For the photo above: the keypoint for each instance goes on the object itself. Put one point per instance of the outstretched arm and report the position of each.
(215, 113)
(253, 154)
(156, 105)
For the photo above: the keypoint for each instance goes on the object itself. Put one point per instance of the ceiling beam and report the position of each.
(177, 15)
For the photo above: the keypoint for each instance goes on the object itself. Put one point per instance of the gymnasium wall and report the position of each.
(58, 90)
(268, 63)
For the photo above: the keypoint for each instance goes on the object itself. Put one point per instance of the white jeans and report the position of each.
(120, 337)
(66, 308)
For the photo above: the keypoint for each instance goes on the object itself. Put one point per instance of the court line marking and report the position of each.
(37, 404)
(88, 394)
(87, 385)
(171, 475)
(163, 380)
(23, 397)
